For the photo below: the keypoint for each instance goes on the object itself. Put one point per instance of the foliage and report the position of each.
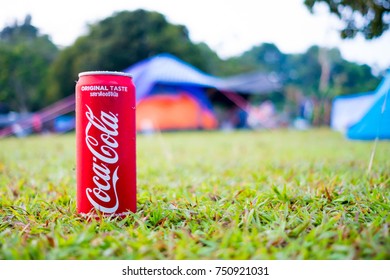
(24, 58)
(304, 70)
(29, 79)
(318, 75)
(121, 40)
(265, 57)
(243, 195)
(371, 18)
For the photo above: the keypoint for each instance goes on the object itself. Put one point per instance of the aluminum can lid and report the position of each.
(115, 73)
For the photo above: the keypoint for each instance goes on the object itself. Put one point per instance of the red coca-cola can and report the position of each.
(105, 144)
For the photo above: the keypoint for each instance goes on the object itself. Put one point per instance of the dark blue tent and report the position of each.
(376, 122)
(170, 95)
(169, 70)
(164, 84)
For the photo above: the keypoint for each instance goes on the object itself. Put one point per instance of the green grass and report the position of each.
(242, 195)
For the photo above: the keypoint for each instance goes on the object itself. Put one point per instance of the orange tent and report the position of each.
(173, 112)
(173, 95)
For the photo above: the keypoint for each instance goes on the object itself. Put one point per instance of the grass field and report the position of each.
(212, 195)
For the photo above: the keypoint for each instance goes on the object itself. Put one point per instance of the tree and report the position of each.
(319, 74)
(25, 56)
(322, 74)
(371, 18)
(18, 33)
(121, 40)
(266, 57)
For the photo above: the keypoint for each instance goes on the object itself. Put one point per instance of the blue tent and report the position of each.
(349, 109)
(170, 95)
(375, 123)
(164, 84)
(169, 70)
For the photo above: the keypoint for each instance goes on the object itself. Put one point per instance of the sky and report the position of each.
(229, 27)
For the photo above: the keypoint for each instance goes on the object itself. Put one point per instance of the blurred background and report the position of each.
(200, 65)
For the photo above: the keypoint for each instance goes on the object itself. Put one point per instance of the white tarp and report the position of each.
(348, 110)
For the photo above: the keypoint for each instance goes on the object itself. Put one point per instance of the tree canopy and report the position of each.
(371, 18)
(121, 40)
(304, 70)
(35, 73)
(25, 56)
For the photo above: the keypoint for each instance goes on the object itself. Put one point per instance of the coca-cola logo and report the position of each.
(104, 158)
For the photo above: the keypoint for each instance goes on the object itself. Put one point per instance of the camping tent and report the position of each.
(172, 94)
(166, 84)
(375, 123)
(170, 107)
(349, 109)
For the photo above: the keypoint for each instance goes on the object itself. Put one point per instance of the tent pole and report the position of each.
(383, 108)
(238, 100)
